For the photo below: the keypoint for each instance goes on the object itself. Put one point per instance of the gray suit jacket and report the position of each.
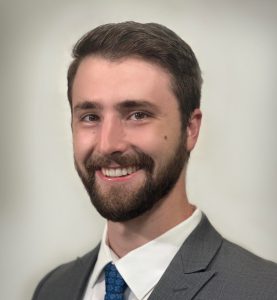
(207, 267)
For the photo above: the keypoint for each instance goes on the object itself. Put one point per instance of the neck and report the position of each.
(124, 237)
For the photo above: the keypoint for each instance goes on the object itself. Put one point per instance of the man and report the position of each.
(134, 91)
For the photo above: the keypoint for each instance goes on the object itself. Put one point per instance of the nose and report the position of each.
(112, 136)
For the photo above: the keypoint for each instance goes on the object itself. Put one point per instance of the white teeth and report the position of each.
(111, 172)
(118, 172)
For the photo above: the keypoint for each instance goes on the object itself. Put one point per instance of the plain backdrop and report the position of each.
(46, 217)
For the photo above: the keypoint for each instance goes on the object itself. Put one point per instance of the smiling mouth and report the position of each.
(118, 172)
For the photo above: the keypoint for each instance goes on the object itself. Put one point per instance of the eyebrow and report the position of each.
(136, 104)
(124, 105)
(87, 105)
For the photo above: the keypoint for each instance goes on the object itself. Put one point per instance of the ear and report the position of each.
(193, 129)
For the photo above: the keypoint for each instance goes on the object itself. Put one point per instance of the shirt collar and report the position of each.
(132, 265)
(104, 257)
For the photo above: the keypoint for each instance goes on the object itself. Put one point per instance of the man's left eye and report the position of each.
(139, 115)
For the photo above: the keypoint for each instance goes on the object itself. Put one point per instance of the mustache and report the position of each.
(138, 159)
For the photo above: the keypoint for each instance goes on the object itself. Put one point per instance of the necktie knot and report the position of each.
(115, 284)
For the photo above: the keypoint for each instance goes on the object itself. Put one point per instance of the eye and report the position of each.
(139, 115)
(91, 118)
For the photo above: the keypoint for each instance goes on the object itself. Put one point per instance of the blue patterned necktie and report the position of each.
(115, 284)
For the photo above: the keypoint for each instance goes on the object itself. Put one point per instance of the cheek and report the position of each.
(166, 144)
(155, 143)
(83, 144)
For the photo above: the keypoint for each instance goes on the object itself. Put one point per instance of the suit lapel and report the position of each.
(77, 282)
(187, 273)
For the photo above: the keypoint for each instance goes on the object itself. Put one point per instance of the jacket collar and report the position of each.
(184, 277)
(187, 272)
(81, 273)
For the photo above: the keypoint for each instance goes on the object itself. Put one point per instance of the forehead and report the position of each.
(109, 82)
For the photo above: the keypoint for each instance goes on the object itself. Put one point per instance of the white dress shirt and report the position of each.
(143, 267)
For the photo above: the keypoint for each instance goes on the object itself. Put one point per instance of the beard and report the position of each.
(123, 203)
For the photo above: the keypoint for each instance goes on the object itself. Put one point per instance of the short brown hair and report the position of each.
(152, 42)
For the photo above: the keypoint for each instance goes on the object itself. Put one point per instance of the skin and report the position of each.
(102, 123)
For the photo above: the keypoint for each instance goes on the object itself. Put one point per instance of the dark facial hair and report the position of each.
(121, 204)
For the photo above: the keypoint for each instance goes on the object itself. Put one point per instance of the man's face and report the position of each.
(128, 146)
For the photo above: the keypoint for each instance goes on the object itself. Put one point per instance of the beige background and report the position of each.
(46, 217)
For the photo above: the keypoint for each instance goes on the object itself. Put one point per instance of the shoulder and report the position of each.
(235, 272)
(68, 280)
(217, 252)
(235, 259)
(244, 259)
(241, 272)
